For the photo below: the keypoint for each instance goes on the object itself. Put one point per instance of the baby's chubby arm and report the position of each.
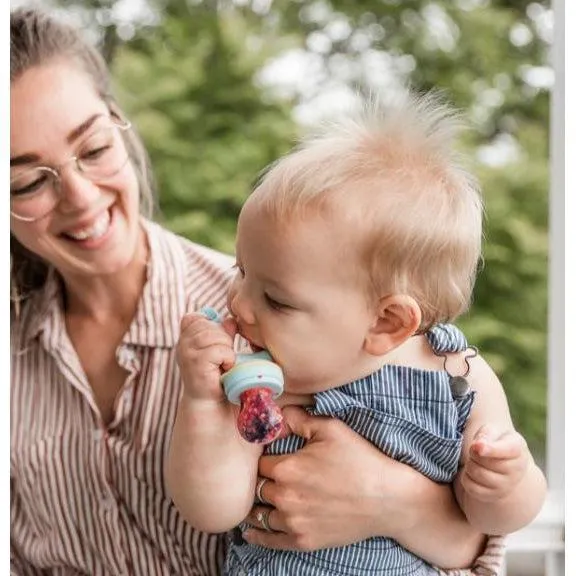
(211, 471)
(499, 487)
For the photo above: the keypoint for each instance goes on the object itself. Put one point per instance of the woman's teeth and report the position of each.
(97, 229)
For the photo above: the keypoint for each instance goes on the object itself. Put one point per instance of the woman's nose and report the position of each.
(76, 191)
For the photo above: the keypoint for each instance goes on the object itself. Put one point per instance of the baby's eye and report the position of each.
(274, 303)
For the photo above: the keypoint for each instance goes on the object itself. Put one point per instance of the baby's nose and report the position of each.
(241, 309)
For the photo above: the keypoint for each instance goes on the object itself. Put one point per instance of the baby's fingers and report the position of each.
(489, 444)
(507, 454)
(193, 321)
(206, 338)
(480, 482)
(230, 326)
(208, 362)
(502, 466)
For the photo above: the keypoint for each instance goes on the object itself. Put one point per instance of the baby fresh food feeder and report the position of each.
(254, 382)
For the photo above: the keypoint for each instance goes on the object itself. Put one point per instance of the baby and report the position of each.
(354, 254)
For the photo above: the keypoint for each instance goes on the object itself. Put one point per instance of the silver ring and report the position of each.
(263, 517)
(259, 486)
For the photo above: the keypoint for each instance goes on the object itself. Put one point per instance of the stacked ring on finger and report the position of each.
(263, 516)
(259, 486)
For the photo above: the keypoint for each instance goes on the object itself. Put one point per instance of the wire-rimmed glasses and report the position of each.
(35, 192)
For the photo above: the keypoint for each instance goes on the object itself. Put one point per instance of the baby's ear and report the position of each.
(397, 318)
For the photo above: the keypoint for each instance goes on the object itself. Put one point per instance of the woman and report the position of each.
(98, 292)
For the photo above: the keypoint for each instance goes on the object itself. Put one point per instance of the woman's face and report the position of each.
(55, 114)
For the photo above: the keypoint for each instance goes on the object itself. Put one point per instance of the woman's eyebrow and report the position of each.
(74, 135)
(24, 159)
(79, 130)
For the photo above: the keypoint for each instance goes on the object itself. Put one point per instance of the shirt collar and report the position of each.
(40, 308)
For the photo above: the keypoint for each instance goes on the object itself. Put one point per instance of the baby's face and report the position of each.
(297, 294)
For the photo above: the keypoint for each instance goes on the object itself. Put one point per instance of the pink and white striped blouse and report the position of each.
(91, 500)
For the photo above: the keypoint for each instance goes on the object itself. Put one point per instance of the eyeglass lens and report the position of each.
(35, 192)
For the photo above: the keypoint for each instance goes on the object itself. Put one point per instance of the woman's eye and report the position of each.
(29, 188)
(94, 153)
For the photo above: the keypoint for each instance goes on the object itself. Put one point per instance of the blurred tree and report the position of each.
(187, 71)
(210, 130)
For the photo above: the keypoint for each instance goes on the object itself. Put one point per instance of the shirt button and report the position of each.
(97, 435)
(129, 354)
(108, 503)
(126, 354)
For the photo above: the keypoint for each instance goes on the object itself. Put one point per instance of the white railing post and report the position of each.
(556, 283)
(545, 535)
(555, 442)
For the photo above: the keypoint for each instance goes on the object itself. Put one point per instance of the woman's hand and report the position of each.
(339, 489)
(329, 492)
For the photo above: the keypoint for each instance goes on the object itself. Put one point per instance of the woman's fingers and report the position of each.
(313, 506)
(261, 491)
(273, 540)
(265, 518)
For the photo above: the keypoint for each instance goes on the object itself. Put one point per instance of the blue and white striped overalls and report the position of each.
(413, 416)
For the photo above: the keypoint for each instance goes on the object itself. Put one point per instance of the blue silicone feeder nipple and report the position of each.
(252, 371)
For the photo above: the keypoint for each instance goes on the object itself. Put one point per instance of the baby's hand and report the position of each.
(204, 351)
(496, 464)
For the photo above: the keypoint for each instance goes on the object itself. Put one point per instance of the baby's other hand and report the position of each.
(205, 350)
(496, 463)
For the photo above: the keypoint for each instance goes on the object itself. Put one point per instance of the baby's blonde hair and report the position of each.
(392, 172)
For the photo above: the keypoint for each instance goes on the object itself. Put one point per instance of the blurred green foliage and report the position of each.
(186, 73)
